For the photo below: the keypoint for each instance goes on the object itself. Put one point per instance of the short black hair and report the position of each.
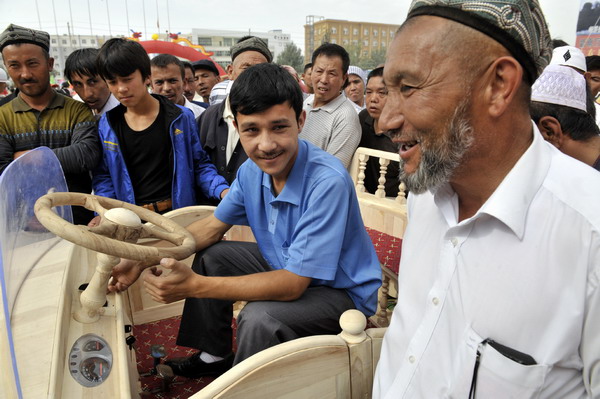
(374, 73)
(262, 86)
(592, 62)
(308, 66)
(187, 65)
(122, 57)
(578, 124)
(333, 50)
(164, 60)
(81, 62)
(558, 43)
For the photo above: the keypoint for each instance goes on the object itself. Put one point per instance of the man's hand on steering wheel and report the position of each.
(124, 275)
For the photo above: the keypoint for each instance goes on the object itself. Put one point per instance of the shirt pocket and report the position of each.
(497, 377)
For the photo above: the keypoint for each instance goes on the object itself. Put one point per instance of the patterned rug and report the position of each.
(388, 248)
(164, 332)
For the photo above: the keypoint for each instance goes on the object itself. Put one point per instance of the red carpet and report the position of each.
(164, 332)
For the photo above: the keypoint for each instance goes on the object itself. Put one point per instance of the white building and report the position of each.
(63, 45)
(221, 41)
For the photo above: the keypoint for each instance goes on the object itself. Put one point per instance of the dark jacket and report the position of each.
(191, 167)
(213, 139)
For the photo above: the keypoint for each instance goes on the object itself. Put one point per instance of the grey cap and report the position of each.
(518, 25)
(252, 43)
(17, 34)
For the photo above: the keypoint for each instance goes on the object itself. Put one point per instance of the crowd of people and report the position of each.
(498, 141)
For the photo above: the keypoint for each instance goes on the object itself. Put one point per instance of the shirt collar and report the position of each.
(57, 101)
(292, 191)
(511, 200)
(227, 114)
(330, 107)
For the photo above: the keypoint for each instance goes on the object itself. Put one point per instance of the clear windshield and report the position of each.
(22, 183)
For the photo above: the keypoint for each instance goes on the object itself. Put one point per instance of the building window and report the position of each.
(374, 43)
(345, 42)
(53, 41)
(355, 42)
(228, 41)
(391, 34)
(345, 31)
(74, 42)
(374, 32)
(366, 32)
(355, 31)
(92, 41)
(333, 41)
(83, 41)
(366, 42)
(383, 33)
(333, 30)
(205, 41)
(63, 41)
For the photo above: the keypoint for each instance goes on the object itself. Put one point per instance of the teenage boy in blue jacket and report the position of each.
(151, 153)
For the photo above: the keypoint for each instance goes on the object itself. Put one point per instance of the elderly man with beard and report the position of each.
(498, 288)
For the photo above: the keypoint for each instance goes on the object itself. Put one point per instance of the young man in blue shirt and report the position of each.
(312, 261)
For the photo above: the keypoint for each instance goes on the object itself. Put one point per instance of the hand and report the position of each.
(19, 153)
(123, 275)
(224, 193)
(173, 286)
(95, 221)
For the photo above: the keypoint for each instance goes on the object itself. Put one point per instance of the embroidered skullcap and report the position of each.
(518, 25)
(17, 34)
(569, 56)
(252, 43)
(359, 72)
(560, 85)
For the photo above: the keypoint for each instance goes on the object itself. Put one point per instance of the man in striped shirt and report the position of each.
(331, 121)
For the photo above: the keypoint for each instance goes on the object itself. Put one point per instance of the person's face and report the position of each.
(270, 138)
(168, 82)
(355, 90)
(376, 96)
(427, 111)
(93, 90)
(205, 80)
(28, 67)
(130, 89)
(306, 77)
(327, 79)
(244, 61)
(189, 84)
(594, 79)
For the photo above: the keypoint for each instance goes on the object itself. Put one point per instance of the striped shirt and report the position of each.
(334, 127)
(219, 92)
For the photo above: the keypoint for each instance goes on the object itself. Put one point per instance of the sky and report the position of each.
(111, 16)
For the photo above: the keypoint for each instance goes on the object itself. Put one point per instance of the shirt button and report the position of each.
(272, 222)
(435, 301)
(454, 241)
(222, 148)
(411, 359)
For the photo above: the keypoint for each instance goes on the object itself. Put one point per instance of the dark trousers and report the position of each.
(206, 323)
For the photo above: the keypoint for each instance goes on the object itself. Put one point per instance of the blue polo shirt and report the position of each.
(313, 228)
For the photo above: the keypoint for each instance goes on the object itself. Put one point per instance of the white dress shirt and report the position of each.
(195, 108)
(523, 271)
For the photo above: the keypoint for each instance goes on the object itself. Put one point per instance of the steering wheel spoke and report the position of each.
(152, 231)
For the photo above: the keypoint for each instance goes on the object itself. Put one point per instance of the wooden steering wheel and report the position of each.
(110, 237)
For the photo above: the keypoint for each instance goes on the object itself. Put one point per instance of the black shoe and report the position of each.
(194, 367)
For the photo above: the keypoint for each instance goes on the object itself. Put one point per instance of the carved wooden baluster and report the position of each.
(383, 164)
(362, 165)
(401, 198)
(382, 319)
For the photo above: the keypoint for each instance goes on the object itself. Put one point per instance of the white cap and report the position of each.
(3, 76)
(560, 85)
(354, 70)
(569, 56)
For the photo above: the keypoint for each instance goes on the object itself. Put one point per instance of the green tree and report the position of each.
(370, 62)
(291, 55)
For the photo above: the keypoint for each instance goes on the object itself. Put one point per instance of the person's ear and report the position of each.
(502, 81)
(301, 120)
(551, 130)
